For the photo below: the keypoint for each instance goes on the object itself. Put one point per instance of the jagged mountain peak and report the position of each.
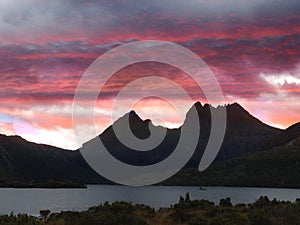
(134, 119)
(132, 113)
(232, 109)
(235, 113)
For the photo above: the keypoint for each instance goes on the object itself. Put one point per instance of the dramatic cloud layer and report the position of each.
(253, 47)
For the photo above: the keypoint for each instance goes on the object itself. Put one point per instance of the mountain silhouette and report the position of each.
(244, 134)
(26, 162)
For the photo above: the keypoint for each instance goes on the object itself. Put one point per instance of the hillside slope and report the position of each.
(23, 162)
(279, 167)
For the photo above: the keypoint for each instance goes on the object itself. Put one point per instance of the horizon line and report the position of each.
(166, 127)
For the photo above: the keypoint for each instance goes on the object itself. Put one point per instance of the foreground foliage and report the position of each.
(186, 212)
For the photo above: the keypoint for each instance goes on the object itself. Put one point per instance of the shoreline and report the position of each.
(185, 211)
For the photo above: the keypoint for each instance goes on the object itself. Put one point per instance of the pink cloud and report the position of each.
(45, 47)
(7, 128)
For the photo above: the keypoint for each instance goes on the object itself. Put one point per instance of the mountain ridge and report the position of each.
(23, 162)
(242, 128)
(148, 120)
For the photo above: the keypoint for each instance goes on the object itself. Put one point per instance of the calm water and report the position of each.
(32, 200)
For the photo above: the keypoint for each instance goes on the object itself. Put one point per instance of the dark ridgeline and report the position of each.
(244, 134)
(22, 162)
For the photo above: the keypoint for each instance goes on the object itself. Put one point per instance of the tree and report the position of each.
(226, 202)
(187, 197)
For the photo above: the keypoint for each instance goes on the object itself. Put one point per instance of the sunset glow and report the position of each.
(253, 48)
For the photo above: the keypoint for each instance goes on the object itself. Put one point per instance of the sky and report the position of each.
(252, 47)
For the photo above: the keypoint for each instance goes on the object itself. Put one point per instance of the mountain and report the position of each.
(244, 134)
(279, 167)
(23, 162)
(140, 129)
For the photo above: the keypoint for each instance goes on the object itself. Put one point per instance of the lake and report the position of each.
(31, 201)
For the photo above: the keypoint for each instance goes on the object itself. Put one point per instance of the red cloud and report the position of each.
(42, 64)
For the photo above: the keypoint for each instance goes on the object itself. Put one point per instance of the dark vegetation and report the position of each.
(47, 184)
(279, 167)
(186, 212)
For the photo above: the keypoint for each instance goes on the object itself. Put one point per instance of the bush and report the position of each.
(225, 202)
